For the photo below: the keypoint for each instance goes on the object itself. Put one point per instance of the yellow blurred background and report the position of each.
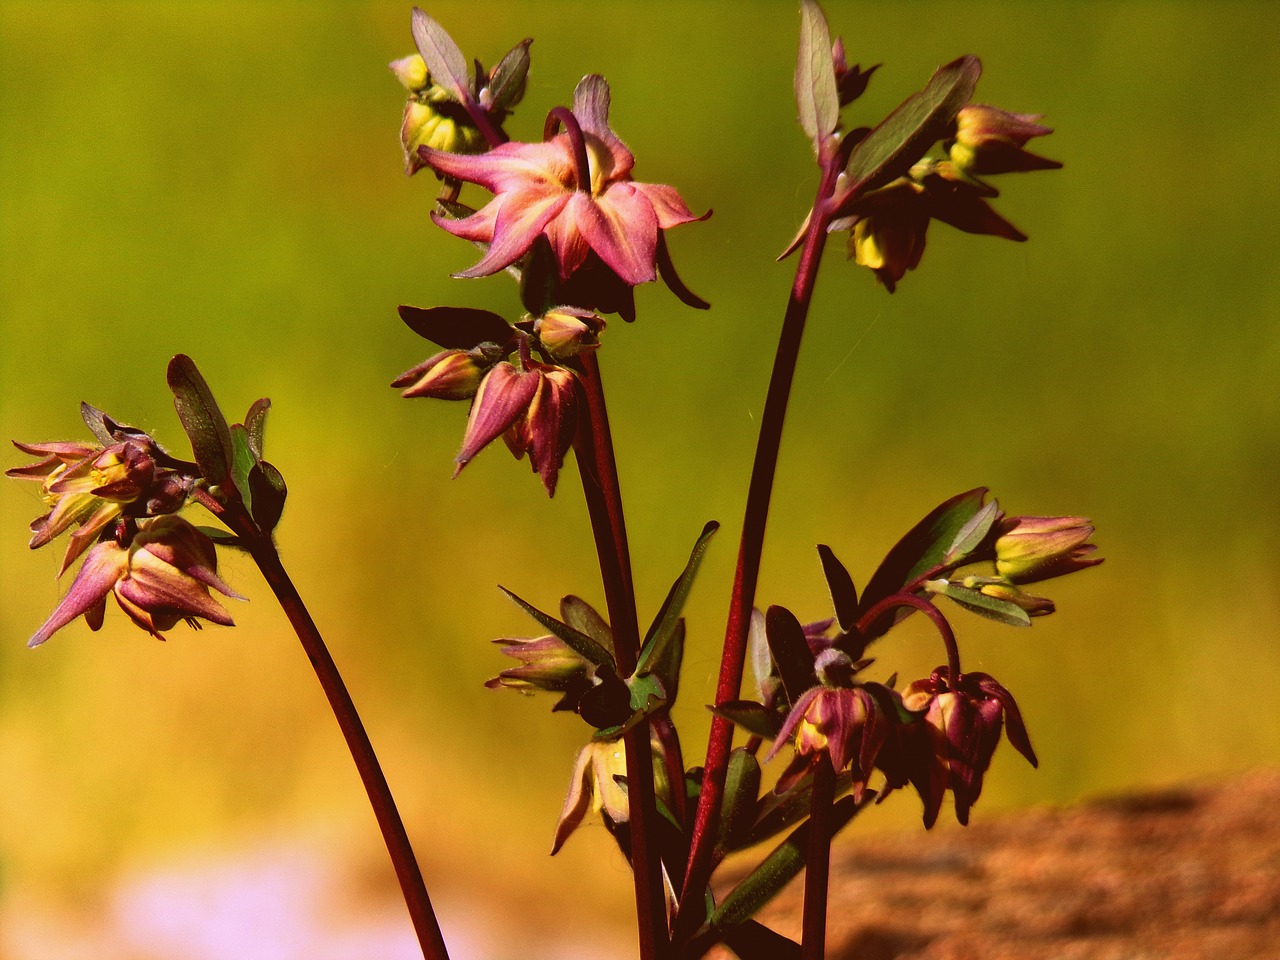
(224, 180)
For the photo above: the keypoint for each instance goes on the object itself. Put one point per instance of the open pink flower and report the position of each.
(575, 187)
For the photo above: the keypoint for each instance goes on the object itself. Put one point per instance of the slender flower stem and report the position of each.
(733, 657)
(817, 867)
(394, 835)
(599, 472)
(897, 600)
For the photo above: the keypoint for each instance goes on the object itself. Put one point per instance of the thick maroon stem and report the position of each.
(817, 867)
(599, 472)
(756, 516)
(375, 783)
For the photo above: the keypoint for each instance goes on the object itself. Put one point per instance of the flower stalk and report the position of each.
(408, 873)
(599, 472)
(818, 862)
(747, 574)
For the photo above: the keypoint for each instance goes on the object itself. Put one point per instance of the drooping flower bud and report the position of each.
(162, 576)
(1030, 549)
(846, 723)
(1032, 605)
(990, 141)
(889, 239)
(546, 429)
(546, 663)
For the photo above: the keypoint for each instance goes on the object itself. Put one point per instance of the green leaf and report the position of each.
(993, 608)
(243, 461)
(583, 617)
(923, 548)
(741, 794)
(815, 79)
(266, 485)
(664, 627)
(755, 718)
(579, 642)
(971, 534)
(445, 62)
(904, 136)
(774, 872)
(508, 80)
(255, 422)
(647, 693)
(201, 419)
(790, 651)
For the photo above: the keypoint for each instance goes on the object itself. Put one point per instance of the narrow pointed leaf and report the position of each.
(741, 795)
(815, 81)
(664, 626)
(584, 618)
(904, 136)
(456, 328)
(507, 84)
(755, 718)
(97, 422)
(255, 422)
(266, 485)
(579, 642)
(923, 548)
(775, 871)
(445, 62)
(844, 595)
(993, 608)
(201, 419)
(790, 651)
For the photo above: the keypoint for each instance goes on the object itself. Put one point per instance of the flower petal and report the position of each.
(591, 108)
(503, 396)
(668, 205)
(101, 569)
(622, 229)
(507, 167)
(521, 218)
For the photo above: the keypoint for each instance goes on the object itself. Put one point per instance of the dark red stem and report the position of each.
(599, 472)
(897, 600)
(756, 516)
(563, 116)
(493, 136)
(408, 873)
(817, 868)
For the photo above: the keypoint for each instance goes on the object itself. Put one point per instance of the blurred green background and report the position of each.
(224, 179)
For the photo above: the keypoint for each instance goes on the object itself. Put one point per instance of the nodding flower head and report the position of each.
(962, 722)
(160, 572)
(574, 188)
(1030, 549)
(88, 486)
(989, 141)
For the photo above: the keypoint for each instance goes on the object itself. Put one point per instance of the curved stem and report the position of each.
(493, 136)
(817, 869)
(897, 600)
(563, 116)
(394, 835)
(599, 472)
(733, 656)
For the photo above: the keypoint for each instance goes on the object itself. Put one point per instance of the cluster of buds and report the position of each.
(444, 111)
(88, 486)
(518, 378)
(121, 496)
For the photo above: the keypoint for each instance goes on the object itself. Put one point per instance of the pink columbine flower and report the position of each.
(575, 187)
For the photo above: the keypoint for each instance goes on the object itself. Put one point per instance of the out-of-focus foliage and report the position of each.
(225, 180)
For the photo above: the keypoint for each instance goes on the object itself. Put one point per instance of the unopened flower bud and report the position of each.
(990, 141)
(1033, 606)
(568, 331)
(412, 73)
(889, 239)
(449, 375)
(1029, 549)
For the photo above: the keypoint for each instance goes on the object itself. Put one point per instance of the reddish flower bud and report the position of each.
(846, 723)
(449, 375)
(502, 398)
(546, 429)
(889, 237)
(568, 331)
